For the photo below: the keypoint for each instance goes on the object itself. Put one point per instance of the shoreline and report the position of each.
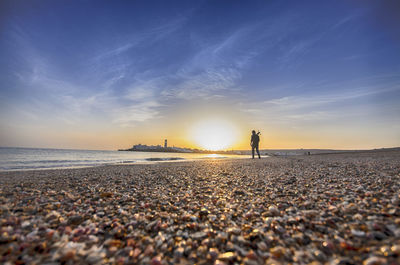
(319, 209)
(149, 161)
(36, 159)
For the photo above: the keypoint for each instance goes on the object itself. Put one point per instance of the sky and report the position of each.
(110, 74)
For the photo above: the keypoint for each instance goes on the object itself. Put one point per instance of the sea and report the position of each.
(12, 159)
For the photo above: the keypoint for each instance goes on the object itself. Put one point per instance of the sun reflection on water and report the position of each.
(214, 156)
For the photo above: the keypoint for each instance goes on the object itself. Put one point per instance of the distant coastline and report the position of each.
(266, 152)
(161, 149)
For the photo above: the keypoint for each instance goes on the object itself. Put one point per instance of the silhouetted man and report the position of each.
(255, 140)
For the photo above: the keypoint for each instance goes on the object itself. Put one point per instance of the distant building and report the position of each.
(181, 150)
(142, 147)
(165, 143)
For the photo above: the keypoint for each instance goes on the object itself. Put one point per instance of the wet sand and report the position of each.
(319, 209)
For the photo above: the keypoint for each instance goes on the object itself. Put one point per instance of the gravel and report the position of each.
(319, 209)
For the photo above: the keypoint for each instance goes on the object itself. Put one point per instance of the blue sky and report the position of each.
(307, 73)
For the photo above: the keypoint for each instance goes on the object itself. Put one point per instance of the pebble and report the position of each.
(277, 252)
(374, 261)
(75, 220)
(396, 249)
(357, 233)
(213, 253)
(227, 256)
(273, 210)
(199, 235)
(262, 246)
(156, 260)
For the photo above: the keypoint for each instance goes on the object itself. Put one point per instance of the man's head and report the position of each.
(253, 132)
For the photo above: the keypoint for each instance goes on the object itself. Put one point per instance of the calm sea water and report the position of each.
(38, 158)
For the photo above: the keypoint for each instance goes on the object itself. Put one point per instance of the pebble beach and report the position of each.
(319, 209)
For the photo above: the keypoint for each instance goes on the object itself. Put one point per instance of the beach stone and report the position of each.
(52, 215)
(277, 252)
(272, 261)
(203, 212)
(234, 230)
(262, 246)
(213, 253)
(310, 213)
(358, 217)
(135, 253)
(374, 261)
(178, 253)
(342, 261)
(100, 214)
(357, 233)
(75, 220)
(106, 194)
(26, 225)
(199, 235)
(320, 256)
(248, 261)
(95, 256)
(396, 249)
(273, 210)
(239, 192)
(378, 235)
(227, 256)
(156, 260)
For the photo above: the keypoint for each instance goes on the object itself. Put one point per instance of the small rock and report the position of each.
(273, 210)
(357, 233)
(239, 192)
(106, 194)
(199, 235)
(227, 256)
(374, 261)
(75, 220)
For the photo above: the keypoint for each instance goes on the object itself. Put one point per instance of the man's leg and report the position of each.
(258, 152)
(252, 151)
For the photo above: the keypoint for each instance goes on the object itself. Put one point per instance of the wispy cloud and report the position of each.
(295, 49)
(349, 18)
(207, 84)
(130, 115)
(214, 70)
(146, 36)
(296, 102)
(319, 107)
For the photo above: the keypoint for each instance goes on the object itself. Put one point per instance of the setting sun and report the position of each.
(214, 134)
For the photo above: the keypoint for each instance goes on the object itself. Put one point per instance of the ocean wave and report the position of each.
(26, 159)
(164, 159)
(53, 166)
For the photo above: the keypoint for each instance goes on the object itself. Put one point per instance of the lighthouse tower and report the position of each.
(165, 143)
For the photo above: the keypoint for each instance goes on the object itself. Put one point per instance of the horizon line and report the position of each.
(261, 149)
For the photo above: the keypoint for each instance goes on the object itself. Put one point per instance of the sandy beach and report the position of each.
(318, 209)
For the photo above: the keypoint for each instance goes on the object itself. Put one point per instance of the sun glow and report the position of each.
(214, 134)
